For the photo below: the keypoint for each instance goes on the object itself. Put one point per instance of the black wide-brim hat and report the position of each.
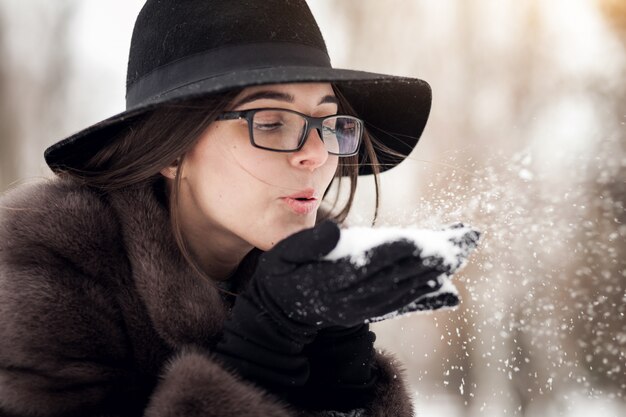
(188, 49)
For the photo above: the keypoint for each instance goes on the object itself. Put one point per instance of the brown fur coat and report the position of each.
(101, 316)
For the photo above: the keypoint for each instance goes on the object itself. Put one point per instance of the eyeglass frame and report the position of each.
(310, 123)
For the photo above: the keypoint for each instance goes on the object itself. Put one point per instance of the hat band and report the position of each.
(166, 79)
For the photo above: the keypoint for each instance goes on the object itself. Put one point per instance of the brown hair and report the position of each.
(142, 150)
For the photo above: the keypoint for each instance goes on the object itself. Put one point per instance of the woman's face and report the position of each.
(242, 195)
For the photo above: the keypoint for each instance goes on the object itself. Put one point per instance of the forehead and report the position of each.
(296, 92)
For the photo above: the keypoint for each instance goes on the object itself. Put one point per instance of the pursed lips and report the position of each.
(302, 202)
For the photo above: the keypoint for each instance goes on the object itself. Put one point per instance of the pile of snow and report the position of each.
(452, 244)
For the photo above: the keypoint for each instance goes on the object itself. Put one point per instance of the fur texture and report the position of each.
(101, 316)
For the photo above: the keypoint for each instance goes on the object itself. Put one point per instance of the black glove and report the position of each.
(303, 292)
(342, 376)
(295, 292)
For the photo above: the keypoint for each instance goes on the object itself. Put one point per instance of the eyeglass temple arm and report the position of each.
(231, 115)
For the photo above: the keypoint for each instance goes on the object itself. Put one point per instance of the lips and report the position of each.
(306, 194)
(303, 202)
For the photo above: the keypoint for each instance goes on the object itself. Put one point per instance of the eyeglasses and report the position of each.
(283, 130)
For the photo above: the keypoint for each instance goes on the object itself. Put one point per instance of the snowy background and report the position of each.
(526, 142)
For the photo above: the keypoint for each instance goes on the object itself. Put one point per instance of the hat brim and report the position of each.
(395, 110)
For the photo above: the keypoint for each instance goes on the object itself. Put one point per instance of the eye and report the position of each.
(270, 120)
(267, 126)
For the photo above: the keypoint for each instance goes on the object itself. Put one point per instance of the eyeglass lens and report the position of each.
(281, 130)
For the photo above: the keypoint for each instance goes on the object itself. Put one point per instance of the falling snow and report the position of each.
(543, 298)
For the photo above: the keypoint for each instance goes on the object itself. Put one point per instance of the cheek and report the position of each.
(229, 185)
(244, 162)
(213, 175)
(222, 160)
(330, 168)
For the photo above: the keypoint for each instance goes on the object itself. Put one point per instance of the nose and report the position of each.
(313, 153)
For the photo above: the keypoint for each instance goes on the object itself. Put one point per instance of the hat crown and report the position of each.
(169, 30)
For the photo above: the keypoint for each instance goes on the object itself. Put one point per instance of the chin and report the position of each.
(285, 231)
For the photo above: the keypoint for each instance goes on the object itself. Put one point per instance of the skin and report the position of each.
(231, 192)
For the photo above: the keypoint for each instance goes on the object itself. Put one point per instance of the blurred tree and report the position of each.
(34, 73)
(600, 328)
(8, 123)
(615, 12)
(600, 324)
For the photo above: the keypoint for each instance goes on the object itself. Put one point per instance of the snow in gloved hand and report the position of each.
(447, 249)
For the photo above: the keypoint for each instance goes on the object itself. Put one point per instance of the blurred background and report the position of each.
(526, 142)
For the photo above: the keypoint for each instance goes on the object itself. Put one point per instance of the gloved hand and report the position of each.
(446, 294)
(304, 292)
(295, 292)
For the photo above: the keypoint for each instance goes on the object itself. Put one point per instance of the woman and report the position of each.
(133, 283)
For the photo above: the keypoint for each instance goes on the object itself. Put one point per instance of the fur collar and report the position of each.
(122, 237)
(183, 307)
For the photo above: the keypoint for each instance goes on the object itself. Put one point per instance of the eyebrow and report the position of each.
(275, 95)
